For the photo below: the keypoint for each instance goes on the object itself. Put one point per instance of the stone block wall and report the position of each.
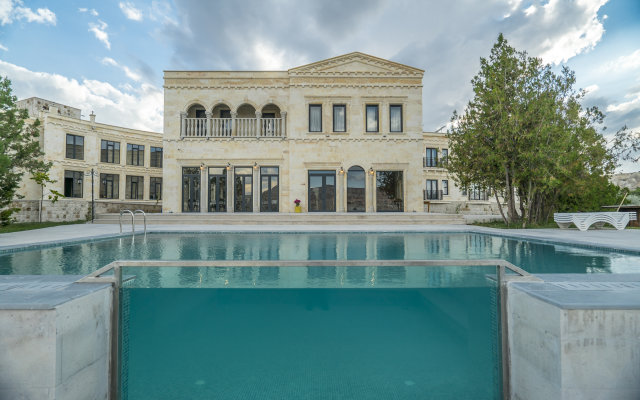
(65, 210)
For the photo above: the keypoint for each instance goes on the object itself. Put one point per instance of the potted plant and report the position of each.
(298, 208)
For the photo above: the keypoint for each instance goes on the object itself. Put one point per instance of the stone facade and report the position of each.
(323, 118)
(72, 166)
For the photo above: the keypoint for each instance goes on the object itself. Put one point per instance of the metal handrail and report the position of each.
(116, 280)
(144, 218)
(133, 222)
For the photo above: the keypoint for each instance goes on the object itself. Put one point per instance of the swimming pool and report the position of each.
(535, 257)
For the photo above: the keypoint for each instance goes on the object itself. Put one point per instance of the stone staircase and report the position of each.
(288, 219)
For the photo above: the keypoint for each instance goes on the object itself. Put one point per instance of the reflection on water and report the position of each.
(532, 256)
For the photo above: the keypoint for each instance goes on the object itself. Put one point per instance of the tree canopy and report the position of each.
(526, 136)
(19, 148)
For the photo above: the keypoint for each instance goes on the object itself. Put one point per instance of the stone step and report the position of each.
(288, 219)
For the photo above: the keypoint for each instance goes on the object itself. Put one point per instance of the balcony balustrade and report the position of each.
(233, 127)
(432, 194)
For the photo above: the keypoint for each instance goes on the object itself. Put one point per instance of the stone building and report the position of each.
(340, 135)
(126, 165)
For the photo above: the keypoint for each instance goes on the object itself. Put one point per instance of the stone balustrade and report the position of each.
(233, 127)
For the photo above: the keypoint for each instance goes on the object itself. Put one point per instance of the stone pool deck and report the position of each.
(627, 240)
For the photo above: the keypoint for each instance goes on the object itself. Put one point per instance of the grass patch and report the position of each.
(502, 225)
(27, 226)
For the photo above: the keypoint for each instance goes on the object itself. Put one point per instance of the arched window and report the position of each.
(356, 200)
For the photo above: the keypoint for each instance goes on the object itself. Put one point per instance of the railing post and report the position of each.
(234, 129)
(259, 123)
(207, 130)
(183, 124)
(283, 126)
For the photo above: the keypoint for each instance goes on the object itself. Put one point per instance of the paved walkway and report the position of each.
(628, 239)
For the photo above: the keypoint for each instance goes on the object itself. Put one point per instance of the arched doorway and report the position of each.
(356, 195)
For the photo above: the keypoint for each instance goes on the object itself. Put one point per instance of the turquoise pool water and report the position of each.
(535, 257)
(384, 342)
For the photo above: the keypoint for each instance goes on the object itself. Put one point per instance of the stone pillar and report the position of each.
(371, 179)
(283, 114)
(256, 189)
(340, 188)
(234, 129)
(208, 130)
(230, 193)
(204, 191)
(183, 123)
(259, 124)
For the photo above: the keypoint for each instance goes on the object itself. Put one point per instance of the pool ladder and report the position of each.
(133, 219)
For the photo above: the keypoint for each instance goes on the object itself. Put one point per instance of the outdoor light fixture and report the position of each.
(371, 171)
(255, 165)
(201, 166)
(228, 166)
(341, 171)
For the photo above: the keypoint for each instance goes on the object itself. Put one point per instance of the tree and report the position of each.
(42, 179)
(19, 149)
(526, 136)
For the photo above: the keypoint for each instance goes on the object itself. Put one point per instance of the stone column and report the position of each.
(371, 179)
(230, 193)
(283, 114)
(258, 124)
(256, 189)
(183, 123)
(340, 188)
(234, 129)
(204, 191)
(208, 130)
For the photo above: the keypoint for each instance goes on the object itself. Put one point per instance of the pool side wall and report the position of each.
(60, 353)
(568, 354)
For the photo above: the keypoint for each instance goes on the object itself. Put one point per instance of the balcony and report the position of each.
(434, 162)
(233, 127)
(431, 194)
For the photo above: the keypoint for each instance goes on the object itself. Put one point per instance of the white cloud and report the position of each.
(631, 61)
(12, 10)
(138, 107)
(591, 89)
(90, 11)
(100, 31)
(128, 72)
(530, 11)
(626, 105)
(4, 48)
(130, 11)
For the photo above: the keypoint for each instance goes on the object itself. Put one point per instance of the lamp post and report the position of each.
(92, 173)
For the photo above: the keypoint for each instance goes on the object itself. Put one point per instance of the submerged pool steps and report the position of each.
(294, 219)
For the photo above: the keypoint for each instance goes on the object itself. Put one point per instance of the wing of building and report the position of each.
(340, 135)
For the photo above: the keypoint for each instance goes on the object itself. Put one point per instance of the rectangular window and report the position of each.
(155, 188)
(445, 156)
(389, 191)
(445, 187)
(339, 118)
(395, 118)
(243, 189)
(431, 192)
(476, 192)
(135, 187)
(431, 159)
(315, 118)
(73, 184)
(135, 154)
(156, 157)
(109, 186)
(372, 118)
(110, 152)
(75, 147)
(269, 189)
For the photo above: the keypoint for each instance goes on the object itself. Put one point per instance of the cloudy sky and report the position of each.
(108, 56)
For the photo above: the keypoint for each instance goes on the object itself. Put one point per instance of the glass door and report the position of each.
(269, 188)
(243, 189)
(217, 189)
(190, 189)
(322, 191)
(355, 189)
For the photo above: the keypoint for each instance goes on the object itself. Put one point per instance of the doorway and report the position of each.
(322, 191)
(190, 189)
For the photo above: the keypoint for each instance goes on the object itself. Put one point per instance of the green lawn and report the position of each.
(27, 226)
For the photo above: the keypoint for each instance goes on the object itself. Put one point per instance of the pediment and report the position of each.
(355, 63)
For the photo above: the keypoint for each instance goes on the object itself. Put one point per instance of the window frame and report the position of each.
(366, 117)
(152, 184)
(151, 156)
(115, 186)
(434, 157)
(139, 149)
(315, 106)
(129, 184)
(392, 106)
(344, 117)
(445, 187)
(75, 175)
(74, 147)
(107, 143)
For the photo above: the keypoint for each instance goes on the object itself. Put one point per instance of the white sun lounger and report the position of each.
(583, 221)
